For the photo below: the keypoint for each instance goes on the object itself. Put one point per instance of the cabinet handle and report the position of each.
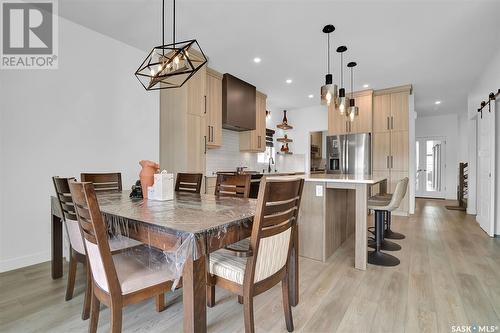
(387, 161)
(208, 133)
(392, 122)
(205, 104)
(392, 161)
(388, 123)
(350, 127)
(211, 134)
(205, 144)
(346, 127)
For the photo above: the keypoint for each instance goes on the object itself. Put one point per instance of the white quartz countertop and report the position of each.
(349, 179)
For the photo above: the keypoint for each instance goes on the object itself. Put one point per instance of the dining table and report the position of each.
(191, 226)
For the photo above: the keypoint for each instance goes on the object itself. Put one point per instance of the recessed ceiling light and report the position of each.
(437, 102)
(288, 81)
(366, 85)
(257, 60)
(310, 96)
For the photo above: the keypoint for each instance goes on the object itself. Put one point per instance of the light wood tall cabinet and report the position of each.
(390, 138)
(182, 124)
(255, 140)
(213, 108)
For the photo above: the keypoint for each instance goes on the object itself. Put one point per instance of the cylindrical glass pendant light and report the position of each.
(342, 99)
(328, 90)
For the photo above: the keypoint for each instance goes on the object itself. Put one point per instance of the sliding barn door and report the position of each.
(486, 171)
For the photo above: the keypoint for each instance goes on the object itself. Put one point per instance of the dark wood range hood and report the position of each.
(238, 104)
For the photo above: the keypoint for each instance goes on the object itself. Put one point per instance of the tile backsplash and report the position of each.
(228, 157)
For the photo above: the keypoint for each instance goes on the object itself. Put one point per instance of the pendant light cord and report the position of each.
(342, 69)
(163, 25)
(328, 53)
(173, 30)
(352, 83)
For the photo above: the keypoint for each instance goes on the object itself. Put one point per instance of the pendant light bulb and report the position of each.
(342, 105)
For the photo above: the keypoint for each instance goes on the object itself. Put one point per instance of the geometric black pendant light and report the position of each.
(170, 66)
(328, 90)
(353, 110)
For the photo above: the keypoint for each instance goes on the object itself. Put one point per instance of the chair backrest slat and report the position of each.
(233, 185)
(277, 212)
(188, 182)
(95, 236)
(104, 182)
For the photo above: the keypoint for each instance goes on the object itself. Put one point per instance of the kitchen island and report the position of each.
(334, 207)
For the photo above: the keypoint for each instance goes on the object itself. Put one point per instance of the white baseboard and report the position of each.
(19, 262)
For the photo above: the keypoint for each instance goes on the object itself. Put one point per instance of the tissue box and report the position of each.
(163, 187)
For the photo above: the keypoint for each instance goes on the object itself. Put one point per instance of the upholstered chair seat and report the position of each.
(136, 269)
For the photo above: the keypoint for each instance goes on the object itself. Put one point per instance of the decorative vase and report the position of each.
(149, 168)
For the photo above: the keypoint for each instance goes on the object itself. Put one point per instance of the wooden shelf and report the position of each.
(284, 126)
(284, 140)
(284, 153)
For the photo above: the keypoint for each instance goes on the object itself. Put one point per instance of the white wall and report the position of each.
(443, 126)
(488, 81)
(304, 121)
(89, 115)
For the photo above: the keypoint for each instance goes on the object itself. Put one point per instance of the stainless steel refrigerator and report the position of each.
(349, 153)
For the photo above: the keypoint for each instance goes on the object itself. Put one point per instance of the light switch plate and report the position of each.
(319, 190)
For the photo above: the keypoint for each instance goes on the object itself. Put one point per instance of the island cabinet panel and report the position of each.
(213, 108)
(326, 219)
(312, 222)
(255, 140)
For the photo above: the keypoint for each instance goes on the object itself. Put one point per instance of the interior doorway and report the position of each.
(430, 166)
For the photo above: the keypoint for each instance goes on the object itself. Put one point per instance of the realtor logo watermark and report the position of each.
(474, 328)
(29, 34)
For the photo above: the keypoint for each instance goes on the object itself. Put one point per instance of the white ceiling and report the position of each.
(440, 47)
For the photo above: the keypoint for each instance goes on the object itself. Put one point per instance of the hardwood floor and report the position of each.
(449, 275)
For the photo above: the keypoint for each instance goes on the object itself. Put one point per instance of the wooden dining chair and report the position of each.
(120, 279)
(188, 182)
(104, 182)
(77, 253)
(249, 268)
(233, 185)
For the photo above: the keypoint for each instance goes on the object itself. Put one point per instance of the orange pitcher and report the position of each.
(149, 168)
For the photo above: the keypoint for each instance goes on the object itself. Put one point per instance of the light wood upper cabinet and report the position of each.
(337, 123)
(255, 140)
(213, 109)
(381, 151)
(381, 113)
(363, 122)
(399, 111)
(340, 124)
(196, 92)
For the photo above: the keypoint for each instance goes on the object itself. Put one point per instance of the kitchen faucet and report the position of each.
(269, 165)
